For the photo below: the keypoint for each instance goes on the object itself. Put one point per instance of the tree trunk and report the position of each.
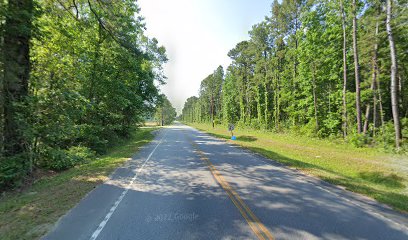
(380, 99)
(375, 110)
(295, 62)
(356, 68)
(343, 22)
(248, 103)
(394, 81)
(368, 108)
(373, 84)
(258, 105)
(315, 98)
(212, 110)
(16, 72)
(94, 74)
(266, 97)
(277, 107)
(400, 94)
(162, 117)
(242, 106)
(266, 104)
(1, 93)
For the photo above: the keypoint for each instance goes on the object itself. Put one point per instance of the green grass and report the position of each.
(33, 212)
(368, 171)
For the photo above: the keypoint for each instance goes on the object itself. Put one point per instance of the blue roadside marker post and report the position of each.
(231, 128)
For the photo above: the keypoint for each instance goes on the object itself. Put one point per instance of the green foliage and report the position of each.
(12, 170)
(254, 124)
(308, 129)
(93, 80)
(359, 140)
(365, 170)
(331, 126)
(59, 159)
(289, 75)
(386, 136)
(39, 205)
(165, 112)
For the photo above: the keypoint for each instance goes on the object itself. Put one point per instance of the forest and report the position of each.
(75, 78)
(165, 112)
(319, 68)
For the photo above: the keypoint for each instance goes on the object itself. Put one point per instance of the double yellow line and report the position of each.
(254, 223)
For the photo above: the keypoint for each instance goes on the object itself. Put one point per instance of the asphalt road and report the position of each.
(188, 185)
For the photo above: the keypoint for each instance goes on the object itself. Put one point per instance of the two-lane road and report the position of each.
(188, 185)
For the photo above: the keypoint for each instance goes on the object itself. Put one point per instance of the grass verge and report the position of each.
(33, 212)
(381, 176)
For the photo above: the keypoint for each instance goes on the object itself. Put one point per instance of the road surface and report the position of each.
(188, 185)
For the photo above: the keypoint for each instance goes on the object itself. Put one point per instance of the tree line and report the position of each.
(165, 112)
(75, 77)
(325, 68)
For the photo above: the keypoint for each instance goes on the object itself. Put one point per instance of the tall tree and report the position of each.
(356, 69)
(17, 35)
(373, 87)
(344, 93)
(394, 80)
(93, 79)
(293, 72)
(165, 112)
(3, 7)
(210, 92)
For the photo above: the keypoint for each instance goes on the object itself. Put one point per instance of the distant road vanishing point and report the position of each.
(188, 185)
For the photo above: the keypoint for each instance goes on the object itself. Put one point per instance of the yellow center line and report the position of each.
(250, 222)
(254, 223)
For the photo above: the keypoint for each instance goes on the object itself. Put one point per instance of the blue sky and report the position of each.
(197, 35)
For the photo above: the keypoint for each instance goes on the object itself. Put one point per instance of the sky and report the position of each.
(197, 35)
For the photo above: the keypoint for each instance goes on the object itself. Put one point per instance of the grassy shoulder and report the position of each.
(33, 212)
(381, 176)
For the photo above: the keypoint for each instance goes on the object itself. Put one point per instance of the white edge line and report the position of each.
(120, 198)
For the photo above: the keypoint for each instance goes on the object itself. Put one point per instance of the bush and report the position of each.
(330, 126)
(308, 129)
(12, 171)
(59, 159)
(386, 136)
(389, 142)
(254, 124)
(359, 140)
(96, 137)
(80, 154)
(240, 125)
